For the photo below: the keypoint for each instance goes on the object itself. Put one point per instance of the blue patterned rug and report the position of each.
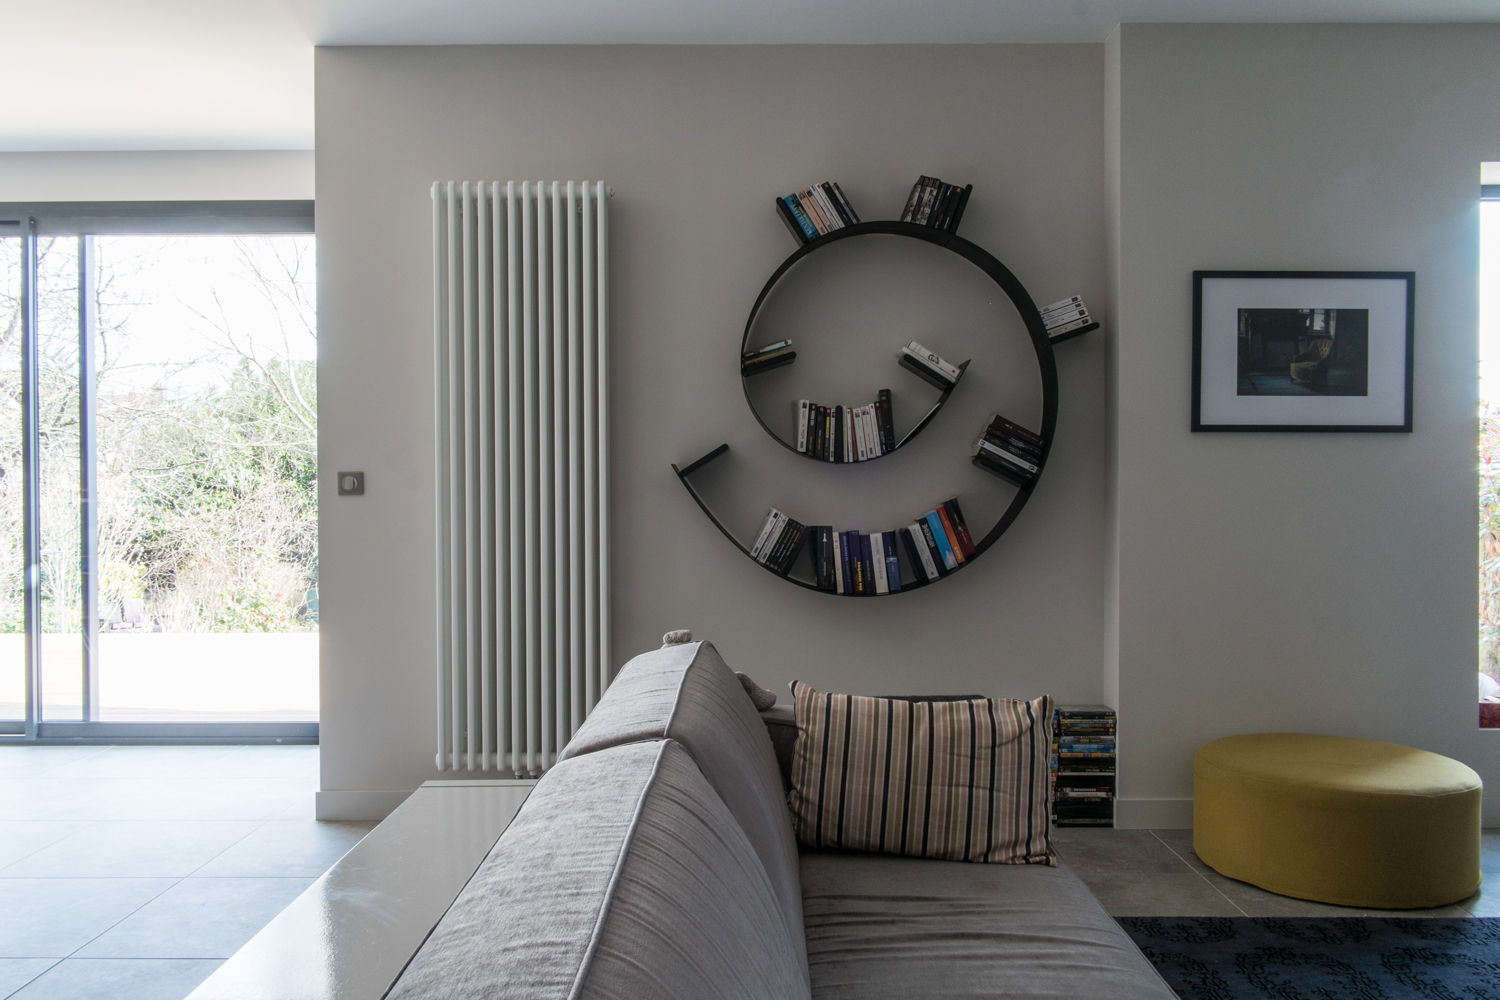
(1322, 958)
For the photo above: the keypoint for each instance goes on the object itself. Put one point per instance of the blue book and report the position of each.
(940, 537)
(892, 562)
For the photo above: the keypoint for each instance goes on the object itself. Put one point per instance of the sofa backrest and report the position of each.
(623, 876)
(687, 693)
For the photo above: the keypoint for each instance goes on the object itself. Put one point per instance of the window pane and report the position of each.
(12, 488)
(206, 462)
(59, 581)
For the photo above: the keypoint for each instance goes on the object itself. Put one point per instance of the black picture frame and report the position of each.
(1303, 350)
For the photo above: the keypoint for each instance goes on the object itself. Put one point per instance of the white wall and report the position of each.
(169, 175)
(1307, 582)
(1206, 583)
(696, 142)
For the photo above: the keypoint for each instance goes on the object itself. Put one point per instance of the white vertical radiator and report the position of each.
(522, 461)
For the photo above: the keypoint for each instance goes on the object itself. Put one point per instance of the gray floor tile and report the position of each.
(150, 798)
(158, 762)
(20, 761)
(1108, 851)
(17, 972)
(118, 979)
(296, 847)
(298, 762)
(52, 918)
(1172, 894)
(197, 918)
(25, 837)
(131, 848)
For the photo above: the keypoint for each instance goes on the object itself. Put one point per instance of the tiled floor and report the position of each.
(1154, 873)
(131, 873)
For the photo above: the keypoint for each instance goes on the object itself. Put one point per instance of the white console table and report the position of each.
(351, 933)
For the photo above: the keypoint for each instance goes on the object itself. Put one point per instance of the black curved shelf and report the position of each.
(1041, 345)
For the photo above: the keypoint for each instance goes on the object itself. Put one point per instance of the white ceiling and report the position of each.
(237, 74)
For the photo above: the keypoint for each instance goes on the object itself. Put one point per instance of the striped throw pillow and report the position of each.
(957, 780)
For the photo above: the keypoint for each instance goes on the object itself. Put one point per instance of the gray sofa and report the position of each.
(656, 860)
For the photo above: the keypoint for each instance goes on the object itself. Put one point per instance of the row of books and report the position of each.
(780, 541)
(846, 433)
(1065, 316)
(816, 211)
(929, 365)
(934, 202)
(1010, 451)
(765, 358)
(865, 563)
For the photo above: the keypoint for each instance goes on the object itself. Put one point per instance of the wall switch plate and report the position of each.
(351, 484)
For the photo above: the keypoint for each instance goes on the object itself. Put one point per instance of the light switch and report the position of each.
(351, 484)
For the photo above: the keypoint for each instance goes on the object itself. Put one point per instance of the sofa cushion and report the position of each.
(623, 876)
(881, 927)
(687, 693)
(961, 780)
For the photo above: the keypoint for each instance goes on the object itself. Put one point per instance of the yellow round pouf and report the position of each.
(1338, 820)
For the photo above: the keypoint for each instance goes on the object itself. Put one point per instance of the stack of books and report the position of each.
(928, 365)
(763, 359)
(1065, 316)
(846, 433)
(816, 211)
(936, 203)
(780, 541)
(1083, 765)
(1010, 451)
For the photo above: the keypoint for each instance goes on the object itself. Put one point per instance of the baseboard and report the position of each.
(1154, 814)
(358, 805)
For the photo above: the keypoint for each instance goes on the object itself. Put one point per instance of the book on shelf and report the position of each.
(765, 358)
(780, 541)
(878, 564)
(956, 515)
(816, 211)
(1065, 316)
(840, 433)
(892, 560)
(887, 420)
(929, 365)
(936, 203)
(917, 554)
(1009, 450)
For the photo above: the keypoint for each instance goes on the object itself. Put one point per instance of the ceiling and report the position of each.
(237, 74)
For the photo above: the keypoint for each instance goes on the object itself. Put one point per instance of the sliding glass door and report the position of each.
(166, 384)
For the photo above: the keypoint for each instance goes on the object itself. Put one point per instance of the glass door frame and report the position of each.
(85, 220)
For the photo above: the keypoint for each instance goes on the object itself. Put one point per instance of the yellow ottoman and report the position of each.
(1339, 820)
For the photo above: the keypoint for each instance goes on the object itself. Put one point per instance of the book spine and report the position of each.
(771, 522)
(1004, 426)
(794, 204)
(1071, 300)
(803, 408)
(989, 447)
(956, 515)
(829, 210)
(892, 560)
(849, 559)
(845, 203)
(839, 555)
(872, 432)
(932, 359)
(877, 563)
(941, 539)
(952, 533)
(887, 420)
(958, 210)
(916, 551)
(784, 212)
(936, 554)
(1061, 328)
(866, 569)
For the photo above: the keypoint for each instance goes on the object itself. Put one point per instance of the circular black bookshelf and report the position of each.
(1014, 291)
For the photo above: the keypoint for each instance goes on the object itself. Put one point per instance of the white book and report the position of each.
(1064, 316)
(931, 359)
(770, 530)
(877, 563)
(1071, 300)
(869, 430)
(838, 562)
(985, 444)
(928, 566)
(1053, 331)
(835, 220)
(802, 409)
(861, 446)
(849, 452)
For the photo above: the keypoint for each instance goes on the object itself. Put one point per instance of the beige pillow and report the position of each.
(958, 780)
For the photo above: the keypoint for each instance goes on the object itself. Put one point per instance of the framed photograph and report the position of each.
(1302, 350)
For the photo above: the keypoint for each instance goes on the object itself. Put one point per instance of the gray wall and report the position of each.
(1309, 582)
(696, 143)
(1208, 584)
